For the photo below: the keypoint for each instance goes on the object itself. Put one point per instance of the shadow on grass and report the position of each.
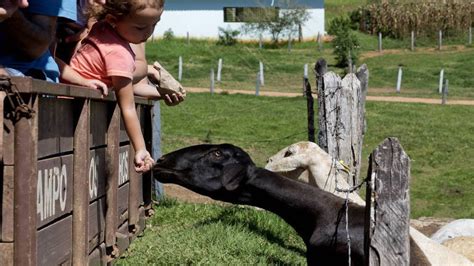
(242, 217)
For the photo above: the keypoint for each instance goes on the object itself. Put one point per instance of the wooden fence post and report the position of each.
(441, 79)
(380, 42)
(180, 68)
(469, 40)
(445, 92)
(257, 84)
(440, 40)
(262, 76)
(212, 80)
(399, 79)
(187, 37)
(341, 111)
(289, 43)
(319, 40)
(219, 70)
(310, 108)
(412, 40)
(387, 239)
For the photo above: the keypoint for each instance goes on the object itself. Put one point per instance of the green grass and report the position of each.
(437, 138)
(183, 234)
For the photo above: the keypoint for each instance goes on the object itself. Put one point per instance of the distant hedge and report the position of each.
(398, 18)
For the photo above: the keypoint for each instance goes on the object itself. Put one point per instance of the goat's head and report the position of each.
(213, 170)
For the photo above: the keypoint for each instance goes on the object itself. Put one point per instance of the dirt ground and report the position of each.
(369, 98)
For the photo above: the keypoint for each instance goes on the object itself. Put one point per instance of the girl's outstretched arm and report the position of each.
(124, 92)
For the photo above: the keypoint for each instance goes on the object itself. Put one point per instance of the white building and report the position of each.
(202, 18)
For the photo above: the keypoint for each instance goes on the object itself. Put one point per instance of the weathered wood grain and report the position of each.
(81, 183)
(54, 243)
(7, 205)
(387, 239)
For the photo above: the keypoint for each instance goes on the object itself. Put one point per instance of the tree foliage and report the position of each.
(345, 42)
(285, 24)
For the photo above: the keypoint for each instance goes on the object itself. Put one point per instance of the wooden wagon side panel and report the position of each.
(56, 130)
(54, 191)
(54, 245)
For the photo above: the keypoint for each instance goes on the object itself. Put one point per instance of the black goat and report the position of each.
(227, 173)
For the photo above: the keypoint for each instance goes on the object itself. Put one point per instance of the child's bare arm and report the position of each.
(124, 92)
(69, 75)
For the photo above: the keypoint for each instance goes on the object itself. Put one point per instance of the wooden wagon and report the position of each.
(69, 192)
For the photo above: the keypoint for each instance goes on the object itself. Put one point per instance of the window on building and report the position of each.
(251, 14)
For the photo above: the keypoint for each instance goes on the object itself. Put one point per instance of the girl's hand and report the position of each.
(98, 85)
(143, 161)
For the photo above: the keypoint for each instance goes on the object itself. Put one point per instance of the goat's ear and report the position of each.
(233, 175)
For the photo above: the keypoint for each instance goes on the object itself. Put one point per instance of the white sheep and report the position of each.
(307, 162)
(456, 228)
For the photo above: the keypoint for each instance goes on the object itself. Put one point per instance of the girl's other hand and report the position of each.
(98, 85)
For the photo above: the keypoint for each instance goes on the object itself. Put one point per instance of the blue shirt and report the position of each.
(45, 63)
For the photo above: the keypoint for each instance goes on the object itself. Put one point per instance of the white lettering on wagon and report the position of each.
(52, 187)
(123, 167)
(93, 178)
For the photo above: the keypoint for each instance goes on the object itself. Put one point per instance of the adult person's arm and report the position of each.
(30, 36)
(8, 7)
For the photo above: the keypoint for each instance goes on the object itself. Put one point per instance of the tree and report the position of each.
(284, 24)
(345, 42)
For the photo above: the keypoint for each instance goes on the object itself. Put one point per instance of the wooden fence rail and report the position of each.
(69, 192)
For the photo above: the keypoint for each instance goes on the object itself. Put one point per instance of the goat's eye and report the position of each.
(217, 154)
(288, 153)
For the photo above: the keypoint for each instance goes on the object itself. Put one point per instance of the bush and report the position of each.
(168, 34)
(345, 41)
(227, 36)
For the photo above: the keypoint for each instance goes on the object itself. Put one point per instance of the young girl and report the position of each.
(105, 54)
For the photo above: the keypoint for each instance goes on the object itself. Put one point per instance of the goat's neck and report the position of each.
(300, 205)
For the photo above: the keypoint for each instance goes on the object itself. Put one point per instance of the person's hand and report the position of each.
(143, 161)
(8, 7)
(172, 99)
(96, 84)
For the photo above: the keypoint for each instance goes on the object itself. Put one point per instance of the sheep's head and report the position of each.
(213, 170)
(295, 160)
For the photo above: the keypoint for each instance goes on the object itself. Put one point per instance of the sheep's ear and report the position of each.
(233, 175)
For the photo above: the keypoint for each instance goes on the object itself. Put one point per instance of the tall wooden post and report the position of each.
(310, 108)
(341, 116)
(80, 217)
(387, 239)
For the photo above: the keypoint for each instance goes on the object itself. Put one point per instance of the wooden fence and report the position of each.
(69, 191)
(342, 125)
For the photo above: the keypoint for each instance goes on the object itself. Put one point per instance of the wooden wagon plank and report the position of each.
(8, 138)
(122, 207)
(80, 217)
(26, 138)
(54, 243)
(134, 193)
(29, 85)
(7, 207)
(123, 240)
(97, 174)
(54, 193)
(99, 117)
(56, 117)
(97, 211)
(98, 256)
(112, 167)
(2, 102)
(6, 254)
